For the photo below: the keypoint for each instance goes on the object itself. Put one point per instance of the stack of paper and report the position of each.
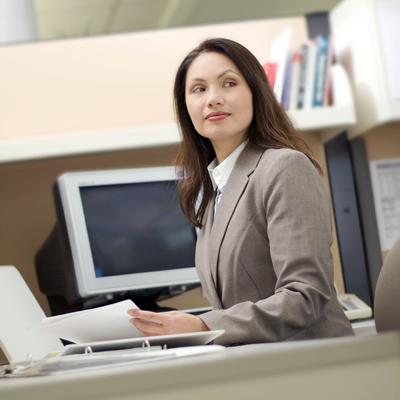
(103, 323)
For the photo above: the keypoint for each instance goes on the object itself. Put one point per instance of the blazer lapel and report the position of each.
(236, 185)
(209, 287)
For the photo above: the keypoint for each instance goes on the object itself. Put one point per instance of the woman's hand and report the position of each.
(167, 323)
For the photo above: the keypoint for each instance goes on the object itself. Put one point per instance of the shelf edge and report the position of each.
(88, 143)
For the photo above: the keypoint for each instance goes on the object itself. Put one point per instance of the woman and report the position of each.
(263, 250)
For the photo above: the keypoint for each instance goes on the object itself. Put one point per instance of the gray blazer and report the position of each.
(265, 261)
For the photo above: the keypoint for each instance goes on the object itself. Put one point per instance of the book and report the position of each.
(320, 71)
(279, 55)
(287, 81)
(310, 58)
(328, 78)
(270, 70)
(295, 79)
(302, 76)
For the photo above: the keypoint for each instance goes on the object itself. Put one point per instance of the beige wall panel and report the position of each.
(109, 82)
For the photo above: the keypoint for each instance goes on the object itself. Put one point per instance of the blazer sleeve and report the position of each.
(298, 217)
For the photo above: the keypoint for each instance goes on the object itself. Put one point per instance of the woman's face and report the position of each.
(219, 100)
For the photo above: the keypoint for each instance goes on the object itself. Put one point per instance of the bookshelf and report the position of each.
(333, 119)
(363, 31)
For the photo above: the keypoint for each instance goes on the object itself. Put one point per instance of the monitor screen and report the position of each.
(126, 230)
(136, 228)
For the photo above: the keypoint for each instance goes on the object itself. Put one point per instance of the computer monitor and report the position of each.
(119, 233)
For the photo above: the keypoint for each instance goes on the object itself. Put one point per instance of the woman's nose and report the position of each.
(214, 98)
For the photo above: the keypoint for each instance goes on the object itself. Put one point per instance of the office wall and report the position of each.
(109, 82)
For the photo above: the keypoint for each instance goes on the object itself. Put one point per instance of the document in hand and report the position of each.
(103, 323)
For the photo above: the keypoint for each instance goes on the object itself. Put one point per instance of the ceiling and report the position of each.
(57, 19)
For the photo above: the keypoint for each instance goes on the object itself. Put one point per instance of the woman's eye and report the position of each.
(198, 89)
(229, 84)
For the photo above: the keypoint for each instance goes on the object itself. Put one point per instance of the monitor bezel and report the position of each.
(87, 283)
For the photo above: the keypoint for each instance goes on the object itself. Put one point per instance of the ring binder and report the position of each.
(169, 341)
(146, 344)
(115, 352)
(90, 360)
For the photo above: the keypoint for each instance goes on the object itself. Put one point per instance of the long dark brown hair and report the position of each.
(270, 128)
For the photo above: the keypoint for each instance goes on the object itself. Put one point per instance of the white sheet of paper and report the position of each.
(389, 15)
(385, 176)
(103, 323)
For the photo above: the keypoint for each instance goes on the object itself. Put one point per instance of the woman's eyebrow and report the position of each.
(219, 76)
(226, 71)
(196, 80)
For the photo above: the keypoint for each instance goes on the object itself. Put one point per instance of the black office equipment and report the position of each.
(366, 207)
(348, 227)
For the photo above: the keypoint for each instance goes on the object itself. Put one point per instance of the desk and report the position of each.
(345, 368)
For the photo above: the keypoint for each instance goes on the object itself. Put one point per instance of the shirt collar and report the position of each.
(219, 174)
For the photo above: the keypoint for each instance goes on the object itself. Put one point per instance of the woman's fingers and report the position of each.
(150, 323)
(148, 328)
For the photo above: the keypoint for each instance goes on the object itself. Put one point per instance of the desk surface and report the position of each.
(348, 368)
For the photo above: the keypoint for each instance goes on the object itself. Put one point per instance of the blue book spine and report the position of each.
(320, 71)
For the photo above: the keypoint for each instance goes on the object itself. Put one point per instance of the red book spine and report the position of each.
(270, 70)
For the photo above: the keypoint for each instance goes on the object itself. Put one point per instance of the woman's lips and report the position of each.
(217, 116)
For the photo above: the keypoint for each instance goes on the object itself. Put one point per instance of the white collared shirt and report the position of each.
(219, 174)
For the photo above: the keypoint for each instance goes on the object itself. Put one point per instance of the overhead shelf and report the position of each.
(87, 143)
